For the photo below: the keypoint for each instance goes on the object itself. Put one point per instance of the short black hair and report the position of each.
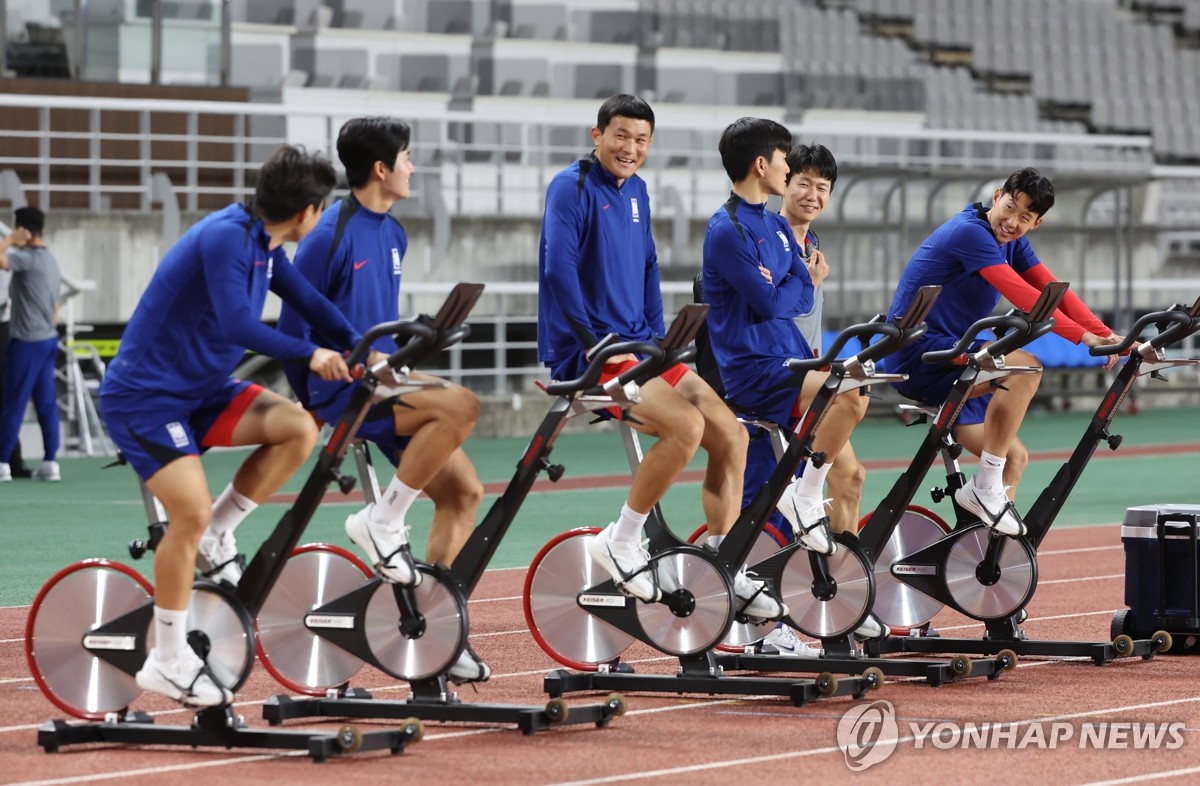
(747, 138)
(1033, 184)
(365, 140)
(290, 180)
(815, 157)
(31, 218)
(624, 105)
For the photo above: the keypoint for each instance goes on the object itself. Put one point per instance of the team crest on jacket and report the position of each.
(634, 210)
(396, 262)
(787, 246)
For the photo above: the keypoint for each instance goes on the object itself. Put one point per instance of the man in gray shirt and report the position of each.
(33, 341)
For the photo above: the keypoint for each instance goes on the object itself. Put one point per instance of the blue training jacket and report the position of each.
(203, 307)
(361, 276)
(597, 266)
(751, 320)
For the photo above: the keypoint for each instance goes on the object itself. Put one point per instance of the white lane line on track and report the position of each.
(1054, 552)
(429, 737)
(676, 771)
(1082, 578)
(160, 770)
(1154, 776)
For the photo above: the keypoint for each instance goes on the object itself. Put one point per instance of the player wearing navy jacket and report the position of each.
(598, 274)
(355, 258)
(756, 282)
(977, 256)
(168, 395)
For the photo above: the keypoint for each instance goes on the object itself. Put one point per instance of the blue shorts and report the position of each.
(152, 430)
(378, 426)
(769, 390)
(931, 384)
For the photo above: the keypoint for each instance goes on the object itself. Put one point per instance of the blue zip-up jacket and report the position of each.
(750, 321)
(597, 266)
(361, 277)
(202, 309)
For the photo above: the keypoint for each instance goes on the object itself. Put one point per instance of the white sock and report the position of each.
(991, 471)
(812, 482)
(393, 506)
(170, 632)
(628, 527)
(230, 509)
(715, 541)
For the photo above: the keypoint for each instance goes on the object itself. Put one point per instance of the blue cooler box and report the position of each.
(1160, 572)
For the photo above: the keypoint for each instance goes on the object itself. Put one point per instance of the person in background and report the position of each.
(32, 345)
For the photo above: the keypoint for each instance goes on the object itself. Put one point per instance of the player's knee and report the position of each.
(300, 430)
(191, 518)
(682, 427)
(465, 405)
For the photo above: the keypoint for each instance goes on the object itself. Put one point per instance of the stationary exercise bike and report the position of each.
(90, 626)
(587, 626)
(897, 527)
(318, 638)
(973, 574)
(826, 594)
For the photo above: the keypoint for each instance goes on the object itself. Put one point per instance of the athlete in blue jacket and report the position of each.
(355, 257)
(756, 282)
(977, 256)
(598, 274)
(168, 395)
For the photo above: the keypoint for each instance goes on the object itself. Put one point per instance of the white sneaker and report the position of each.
(5, 472)
(808, 520)
(386, 547)
(186, 679)
(49, 471)
(469, 668)
(872, 628)
(756, 602)
(218, 559)
(628, 564)
(993, 508)
(784, 641)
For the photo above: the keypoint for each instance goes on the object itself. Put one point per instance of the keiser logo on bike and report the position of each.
(593, 599)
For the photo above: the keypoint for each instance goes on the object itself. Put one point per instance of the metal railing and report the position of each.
(516, 146)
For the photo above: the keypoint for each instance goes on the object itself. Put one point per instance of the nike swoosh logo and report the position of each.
(359, 265)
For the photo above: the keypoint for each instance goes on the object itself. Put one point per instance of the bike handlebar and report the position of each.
(417, 329)
(1178, 325)
(864, 332)
(645, 369)
(1019, 332)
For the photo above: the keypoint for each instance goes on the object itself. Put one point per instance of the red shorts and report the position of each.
(611, 370)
